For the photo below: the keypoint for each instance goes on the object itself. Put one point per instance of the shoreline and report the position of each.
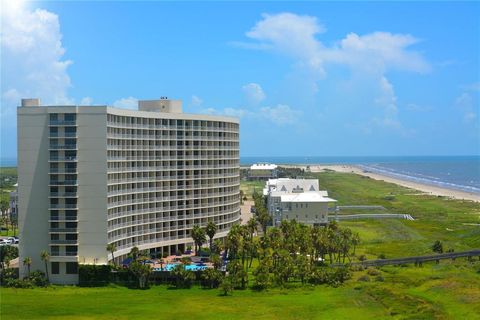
(424, 188)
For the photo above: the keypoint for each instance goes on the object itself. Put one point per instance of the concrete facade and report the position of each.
(95, 175)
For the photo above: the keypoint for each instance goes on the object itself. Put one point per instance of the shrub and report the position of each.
(389, 197)
(373, 272)
(362, 257)
(437, 247)
(94, 275)
(379, 278)
(364, 278)
(37, 278)
(382, 256)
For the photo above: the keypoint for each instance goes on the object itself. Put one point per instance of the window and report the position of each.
(72, 268)
(55, 268)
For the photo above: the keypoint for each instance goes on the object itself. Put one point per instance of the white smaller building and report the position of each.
(298, 199)
(263, 171)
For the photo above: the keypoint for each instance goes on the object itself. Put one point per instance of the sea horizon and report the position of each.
(450, 172)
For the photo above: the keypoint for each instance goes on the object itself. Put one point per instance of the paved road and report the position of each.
(245, 213)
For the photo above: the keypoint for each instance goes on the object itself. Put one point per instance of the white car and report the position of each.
(5, 241)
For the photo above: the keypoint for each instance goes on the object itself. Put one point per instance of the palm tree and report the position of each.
(111, 247)
(198, 236)
(210, 230)
(27, 262)
(135, 253)
(45, 257)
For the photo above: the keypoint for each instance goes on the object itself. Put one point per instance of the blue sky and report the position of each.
(307, 79)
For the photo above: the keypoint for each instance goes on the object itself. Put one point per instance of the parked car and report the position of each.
(5, 241)
(13, 240)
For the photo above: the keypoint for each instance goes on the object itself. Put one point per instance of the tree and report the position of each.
(111, 247)
(211, 278)
(45, 257)
(437, 247)
(142, 272)
(27, 262)
(7, 254)
(134, 253)
(227, 285)
(210, 230)
(198, 236)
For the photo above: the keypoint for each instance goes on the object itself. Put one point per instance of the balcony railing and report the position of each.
(62, 170)
(63, 230)
(63, 182)
(63, 218)
(63, 122)
(63, 194)
(63, 147)
(63, 206)
(65, 242)
(63, 134)
(67, 158)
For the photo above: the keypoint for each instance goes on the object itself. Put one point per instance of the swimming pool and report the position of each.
(171, 266)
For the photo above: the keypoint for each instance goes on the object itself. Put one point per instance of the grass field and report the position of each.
(449, 290)
(248, 187)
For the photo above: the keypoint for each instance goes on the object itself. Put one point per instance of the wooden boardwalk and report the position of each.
(417, 260)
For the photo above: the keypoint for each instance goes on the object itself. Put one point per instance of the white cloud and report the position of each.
(280, 114)
(253, 93)
(372, 54)
(196, 101)
(86, 101)
(465, 102)
(126, 103)
(290, 34)
(32, 57)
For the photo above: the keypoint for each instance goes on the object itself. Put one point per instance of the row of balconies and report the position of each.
(233, 166)
(173, 178)
(183, 187)
(154, 158)
(63, 206)
(139, 126)
(157, 240)
(63, 218)
(63, 159)
(177, 197)
(63, 230)
(155, 200)
(156, 230)
(62, 170)
(176, 207)
(136, 212)
(157, 137)
(136, 223)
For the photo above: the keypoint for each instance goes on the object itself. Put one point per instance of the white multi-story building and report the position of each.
(96, 175)
(263, 171)
(298, 199)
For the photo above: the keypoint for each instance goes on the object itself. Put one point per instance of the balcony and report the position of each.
(63, 206)
(62, 170)
(63, 230)
(63, 182)
(63, 218)
(63, 194)
(63, 147)
(66, 159)
(62, 123)
(63, 134)
(64, 242)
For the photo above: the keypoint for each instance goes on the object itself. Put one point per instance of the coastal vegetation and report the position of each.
(449, 289)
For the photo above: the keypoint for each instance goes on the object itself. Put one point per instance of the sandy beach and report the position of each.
(425, 188)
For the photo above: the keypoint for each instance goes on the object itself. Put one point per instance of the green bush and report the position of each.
(364, 278)
(94, 275)
(373, 272)
(379, 278)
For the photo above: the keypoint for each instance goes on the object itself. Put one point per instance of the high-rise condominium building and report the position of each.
(89, 176)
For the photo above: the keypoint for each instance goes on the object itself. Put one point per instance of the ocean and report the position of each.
(452, 172)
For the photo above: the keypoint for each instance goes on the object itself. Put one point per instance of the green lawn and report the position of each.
(449, 290)
(445, 291)
(248, 187)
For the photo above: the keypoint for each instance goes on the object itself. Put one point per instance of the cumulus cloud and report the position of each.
(32, 57)
(280, 114)
(373, 54)
(126, 103)
(465, 103)
(253, 93)
(196, 101)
